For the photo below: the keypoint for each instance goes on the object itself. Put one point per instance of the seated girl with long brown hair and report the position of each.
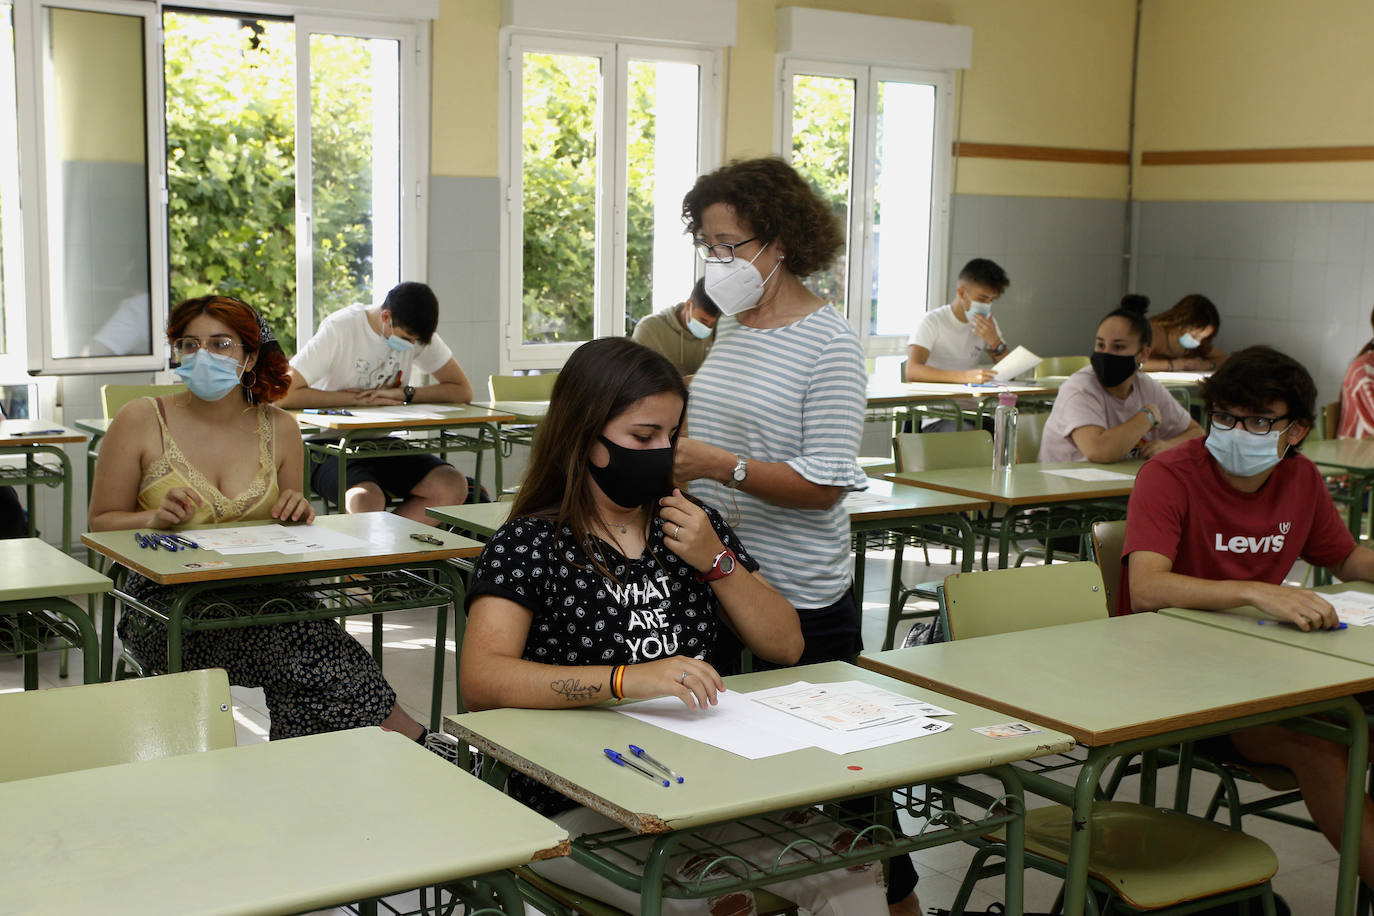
(607, 582)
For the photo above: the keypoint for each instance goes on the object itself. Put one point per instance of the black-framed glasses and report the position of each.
(1260, 426)
(721, 251)
(219, 344)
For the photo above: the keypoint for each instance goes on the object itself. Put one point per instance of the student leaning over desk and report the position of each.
(1218, 523)
(220, 452)
(1111, 411)
(370, 356)
(608, 583)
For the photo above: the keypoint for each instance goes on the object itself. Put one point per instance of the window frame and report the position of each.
(13, 359)
(859, 275)
(409, 24)
(609, 306)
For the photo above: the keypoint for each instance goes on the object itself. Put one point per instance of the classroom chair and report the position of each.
(1143, 858)
(518, 388)
(928, 452)
(97, 725)
(1229, 768)
(1052, 366)
(113, 397)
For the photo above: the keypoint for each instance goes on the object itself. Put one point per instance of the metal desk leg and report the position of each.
(107, 633)
(1357, 761)
(860, 551)
(1359, 491)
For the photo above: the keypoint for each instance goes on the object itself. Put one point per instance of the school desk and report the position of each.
(279, 827)
(1133, 684)
(35, 594)
(376, 432)
(32, 438)
(391, 568)
(1354, 457)
(886, 398)
(1025, 488)
(563, 749)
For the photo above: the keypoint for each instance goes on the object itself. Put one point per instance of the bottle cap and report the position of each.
(1007, 398)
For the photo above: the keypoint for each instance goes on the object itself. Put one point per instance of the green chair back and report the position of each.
(1030, 429)
(114, 397)
(1060, 365)
(1108, 539)
(521, 387)
(969, 448)
(1022, 598)
(78, 728)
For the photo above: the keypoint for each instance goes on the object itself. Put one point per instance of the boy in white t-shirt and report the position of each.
(365, 356)
(949, 343)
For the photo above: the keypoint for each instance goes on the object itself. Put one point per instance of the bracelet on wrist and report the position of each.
(618, 682)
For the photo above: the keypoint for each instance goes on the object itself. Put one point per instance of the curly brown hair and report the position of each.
(776, 203)
(271, 373)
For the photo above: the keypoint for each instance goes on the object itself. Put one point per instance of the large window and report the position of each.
(876, 143)
(285, 167)
(603, 141)
(11, 224)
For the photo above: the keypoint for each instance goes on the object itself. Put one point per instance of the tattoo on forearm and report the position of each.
(573, 689)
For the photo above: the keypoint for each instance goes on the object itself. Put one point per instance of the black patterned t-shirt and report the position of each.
(653, 608)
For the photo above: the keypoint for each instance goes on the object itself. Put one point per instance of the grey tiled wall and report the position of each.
(1298, 276)
(1064, 257)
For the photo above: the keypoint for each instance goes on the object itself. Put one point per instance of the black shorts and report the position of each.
(396, 476)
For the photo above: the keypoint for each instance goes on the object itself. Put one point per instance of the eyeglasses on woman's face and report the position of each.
(720, 251)
(219, 344)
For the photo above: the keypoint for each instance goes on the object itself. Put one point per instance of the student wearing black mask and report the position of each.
(607, 582)
(1111, 410)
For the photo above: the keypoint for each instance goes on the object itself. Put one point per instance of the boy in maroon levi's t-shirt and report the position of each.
(1217, 523)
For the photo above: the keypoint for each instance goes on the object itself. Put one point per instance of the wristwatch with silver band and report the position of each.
(739, 473)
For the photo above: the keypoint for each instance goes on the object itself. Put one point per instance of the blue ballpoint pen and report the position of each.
(619, 758)
(1340, 626)
(166, 542)
(648, 758)
(184, 541)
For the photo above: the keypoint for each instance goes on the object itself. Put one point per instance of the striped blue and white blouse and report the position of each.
(793, 394)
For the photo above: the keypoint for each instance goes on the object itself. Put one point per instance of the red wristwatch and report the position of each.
(724, 564)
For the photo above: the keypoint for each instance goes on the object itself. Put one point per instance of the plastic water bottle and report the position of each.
(1004, 432)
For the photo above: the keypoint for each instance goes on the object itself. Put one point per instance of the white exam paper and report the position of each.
(273, 539)
(1354, 608)
(1014, 363)
(741, 724)
(1093, 474)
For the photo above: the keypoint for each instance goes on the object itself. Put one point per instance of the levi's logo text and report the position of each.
(1270, 543)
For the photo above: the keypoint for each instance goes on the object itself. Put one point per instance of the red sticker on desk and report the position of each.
(856, 768)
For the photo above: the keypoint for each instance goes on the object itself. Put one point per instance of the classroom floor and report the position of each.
(1307, 863)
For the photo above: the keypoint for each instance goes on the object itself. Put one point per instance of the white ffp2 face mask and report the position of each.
(736, 286)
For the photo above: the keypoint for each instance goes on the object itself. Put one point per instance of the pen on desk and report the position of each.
(619, 759)
(648, 758)
(428, 539)
(1340, 626)
(43, 432)
(166, 542)
(184, 541)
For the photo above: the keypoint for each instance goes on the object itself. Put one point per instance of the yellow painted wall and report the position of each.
(464, 108)
(1241, 74)
(1045, 73)
(97, 59)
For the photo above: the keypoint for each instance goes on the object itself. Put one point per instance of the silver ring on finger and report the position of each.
(677, 532)
(683, 679)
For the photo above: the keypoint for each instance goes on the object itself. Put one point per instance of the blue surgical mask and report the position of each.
(209, 376)
(980, 308)
(399, 344)
(699, 330)
(1243, 454)
(1187, 341)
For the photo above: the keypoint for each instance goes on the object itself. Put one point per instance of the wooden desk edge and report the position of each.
(290, 563)
(1143, 729)
(553, 852)
(20, 441)
(640, 823)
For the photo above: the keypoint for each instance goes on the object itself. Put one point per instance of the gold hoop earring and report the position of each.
(247, 385)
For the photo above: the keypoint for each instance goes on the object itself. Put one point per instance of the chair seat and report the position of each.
(1153, 858)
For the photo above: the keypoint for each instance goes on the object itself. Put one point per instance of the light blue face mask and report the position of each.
(1243, 454)
(1187, 341)
(209, 376)
(399, 344)
(980, 308)
(699, 330)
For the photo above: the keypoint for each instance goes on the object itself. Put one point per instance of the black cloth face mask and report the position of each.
(634, 476)
(1113, 368)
